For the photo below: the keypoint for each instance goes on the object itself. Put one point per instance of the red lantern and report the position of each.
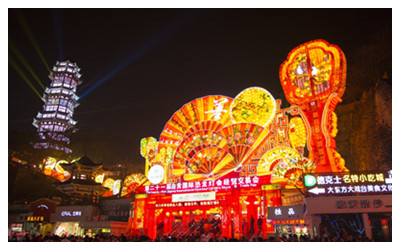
(312, 72)
(314, 77)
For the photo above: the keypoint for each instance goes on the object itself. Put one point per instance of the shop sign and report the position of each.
(35, 218)
(271, 187)
(43, 206)
(356, 204)
(187, 204)
(16, 227)
(290, 222)
(286, 212)
(71, 213)
(193, 197)
(98, 218)
(209, 185)
(115, 210)
(345, 183)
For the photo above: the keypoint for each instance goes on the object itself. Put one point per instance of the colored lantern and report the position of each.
(313, 71)
(314, 78)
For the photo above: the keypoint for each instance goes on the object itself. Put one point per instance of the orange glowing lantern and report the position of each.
(131, 183)
(49, 164)
(313, 71)
(314, 78)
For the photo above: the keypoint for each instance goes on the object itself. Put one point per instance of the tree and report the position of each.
(367, 64)
(28, 185)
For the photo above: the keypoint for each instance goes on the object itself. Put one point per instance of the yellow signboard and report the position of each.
(140, 196)
(271, 187)
(35, 218)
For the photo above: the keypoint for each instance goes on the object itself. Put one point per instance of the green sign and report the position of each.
(309, 180)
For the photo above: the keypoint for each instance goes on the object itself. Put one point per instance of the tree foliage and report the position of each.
(25, 184)
(367, 64)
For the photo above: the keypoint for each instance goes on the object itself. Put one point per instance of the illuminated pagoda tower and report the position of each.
(55, 123)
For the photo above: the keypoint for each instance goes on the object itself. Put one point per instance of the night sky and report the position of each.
(139, 66)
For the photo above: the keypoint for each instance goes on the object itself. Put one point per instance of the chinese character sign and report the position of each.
(286, 212)
(348, 183)
(218, 108)
(208, 185)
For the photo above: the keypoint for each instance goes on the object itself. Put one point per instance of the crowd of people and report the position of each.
(204, 230)
(193, 237)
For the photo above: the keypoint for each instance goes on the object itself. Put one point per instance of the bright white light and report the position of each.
(156, 174)
(314, 71)
(299, 70)
(389, 180)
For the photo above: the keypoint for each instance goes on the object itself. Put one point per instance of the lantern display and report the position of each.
(297, 132)
(99, 178)
(49, 164)
(314, 78)
(285, 165)
(241, 134)
(212, 148)
(131, 183)
(209, 163)
(253, 105)
(233, 156)
(203, 113)
(213, 136)
(59, 173)
(114, 187)
(313, 71)
(192, 144)
(148, 147)
(53, 168)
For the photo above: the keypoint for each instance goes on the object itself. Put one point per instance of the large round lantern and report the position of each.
(313, 71)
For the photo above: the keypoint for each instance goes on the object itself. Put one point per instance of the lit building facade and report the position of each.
(54, 124)
(82, 185)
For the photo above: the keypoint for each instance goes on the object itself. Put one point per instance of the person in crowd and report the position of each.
(195, 236)
(259, 224)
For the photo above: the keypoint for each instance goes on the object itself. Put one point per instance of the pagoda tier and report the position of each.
(81, 188)
(84, 168)
(55, 124)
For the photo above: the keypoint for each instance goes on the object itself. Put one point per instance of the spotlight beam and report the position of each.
(153, 42)
(24, 62)
(58, 31)
(19, 71)
(126, 106)
(31, 37)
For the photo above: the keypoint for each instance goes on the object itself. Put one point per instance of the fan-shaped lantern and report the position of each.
(205, 113)
(253, 105)
(131, 183)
